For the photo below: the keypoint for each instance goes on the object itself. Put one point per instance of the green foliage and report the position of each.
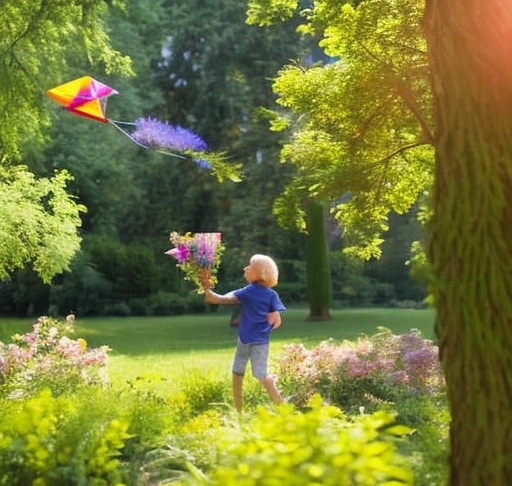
(148, 413)
(83, 290)
(211, 81)
(266, 12)
(220, 165)
(39, 222)
(213, 59)
(370, 155)
(428, 449)
(216, 73)
(39, 219)
(131, 269)
(106, 277)
(38, 40)
(47, 440)
(319, 446)
(132, 434)
(190, 443)
(201, 392)
(47, 358)
(165, 304)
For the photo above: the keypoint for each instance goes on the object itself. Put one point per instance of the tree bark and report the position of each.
(470, 51)
(319, 282)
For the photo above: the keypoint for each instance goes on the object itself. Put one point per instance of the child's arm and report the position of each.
(274, 319)
(211, 297)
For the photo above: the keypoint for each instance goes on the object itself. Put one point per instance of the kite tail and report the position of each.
(118, 124)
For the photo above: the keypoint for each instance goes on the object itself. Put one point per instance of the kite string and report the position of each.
(117, 125)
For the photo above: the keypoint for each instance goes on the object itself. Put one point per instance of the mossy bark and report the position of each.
(470, 49)
(319, 282)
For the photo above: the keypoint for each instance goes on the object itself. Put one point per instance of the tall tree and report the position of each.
(469, 50)
(317, 263)
(360, 126)
(470, 80)
(349, 156)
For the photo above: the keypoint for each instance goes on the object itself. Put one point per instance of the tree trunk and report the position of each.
(318, 268)
(470, 49)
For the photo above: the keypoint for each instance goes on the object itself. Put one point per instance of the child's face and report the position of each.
(251, 273)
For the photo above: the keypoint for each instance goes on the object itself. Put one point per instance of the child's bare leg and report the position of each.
(269, 383)
(238, 381)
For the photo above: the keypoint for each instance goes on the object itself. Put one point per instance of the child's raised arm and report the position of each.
(211, 297)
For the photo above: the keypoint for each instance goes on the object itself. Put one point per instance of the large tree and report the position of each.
(470, 82)
(360, 125)
(359, 129)
(469, 47)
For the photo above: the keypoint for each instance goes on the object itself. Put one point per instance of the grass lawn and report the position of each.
(164, 348)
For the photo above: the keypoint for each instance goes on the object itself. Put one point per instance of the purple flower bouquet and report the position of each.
(198, 256)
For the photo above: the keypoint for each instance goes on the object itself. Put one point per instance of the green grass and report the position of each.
(166, 348)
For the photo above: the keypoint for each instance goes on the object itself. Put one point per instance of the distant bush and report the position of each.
(292, 292)
(120, 309)
(84, 290)
(167, 304)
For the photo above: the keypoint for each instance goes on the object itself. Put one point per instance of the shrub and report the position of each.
(84, 289)
(200, 392)
(428, 449)
(47, 440)
(166, 304)
(292, 292)
(120, 309)
(321, 446)
(368, 372)
(48, 358)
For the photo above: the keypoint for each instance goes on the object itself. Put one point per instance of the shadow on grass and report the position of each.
(139, 336)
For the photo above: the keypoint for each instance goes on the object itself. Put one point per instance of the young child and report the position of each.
(260, 315)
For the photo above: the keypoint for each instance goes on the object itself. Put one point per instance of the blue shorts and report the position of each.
(256, 353)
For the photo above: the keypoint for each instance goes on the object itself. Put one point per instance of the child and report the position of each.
(260, 315)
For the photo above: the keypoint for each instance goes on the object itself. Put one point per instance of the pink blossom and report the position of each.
(48, 357)
(407, 362)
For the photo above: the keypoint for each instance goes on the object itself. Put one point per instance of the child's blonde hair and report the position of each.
(267, 270)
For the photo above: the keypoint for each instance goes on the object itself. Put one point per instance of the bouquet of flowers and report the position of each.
(198, 256)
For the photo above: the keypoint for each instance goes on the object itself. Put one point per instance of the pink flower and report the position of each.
(198, 256)
(181, 253)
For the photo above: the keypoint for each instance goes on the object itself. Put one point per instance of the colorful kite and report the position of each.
(88, 97)
(84, 96)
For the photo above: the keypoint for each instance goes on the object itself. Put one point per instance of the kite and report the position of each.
(84, 96)
(88, 97)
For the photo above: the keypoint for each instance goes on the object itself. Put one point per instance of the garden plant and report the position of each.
(368, 411)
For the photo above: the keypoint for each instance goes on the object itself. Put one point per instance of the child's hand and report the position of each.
(274, 319)
(208, 295)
